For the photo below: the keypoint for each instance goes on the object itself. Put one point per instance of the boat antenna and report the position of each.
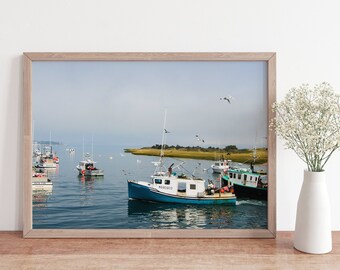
(254, 152)
(92, 148)
(163, 140)
(163, 135)
(83, 149)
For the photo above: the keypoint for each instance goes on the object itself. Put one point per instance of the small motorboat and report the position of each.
(220, 166)
(88, 168)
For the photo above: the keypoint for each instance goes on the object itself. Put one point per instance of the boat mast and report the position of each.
(83, 149)
(254, 151)
(92, 148)
(163, 141)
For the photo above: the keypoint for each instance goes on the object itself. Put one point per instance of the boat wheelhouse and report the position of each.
(220, 166)
(47, 163)
(247, 183)
(88, 168)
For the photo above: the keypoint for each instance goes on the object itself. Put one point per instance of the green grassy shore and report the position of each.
(242, 156)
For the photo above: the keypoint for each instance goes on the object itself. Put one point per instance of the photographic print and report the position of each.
(160, 145)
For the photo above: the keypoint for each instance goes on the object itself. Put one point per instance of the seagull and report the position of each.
(166, 131)
(125, 172)
(229, 98)
(199, 139)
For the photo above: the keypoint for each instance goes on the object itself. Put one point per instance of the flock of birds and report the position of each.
(198, 137)
(227, 98)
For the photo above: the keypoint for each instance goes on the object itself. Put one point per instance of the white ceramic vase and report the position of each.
(313, 231)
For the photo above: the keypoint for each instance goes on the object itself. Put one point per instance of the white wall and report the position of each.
(305, 35)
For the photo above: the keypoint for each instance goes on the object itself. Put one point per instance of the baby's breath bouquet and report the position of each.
(308, 119)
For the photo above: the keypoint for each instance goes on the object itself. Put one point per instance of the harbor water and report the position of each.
(102, 202)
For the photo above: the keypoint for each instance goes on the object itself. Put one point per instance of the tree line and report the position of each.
(228, 148)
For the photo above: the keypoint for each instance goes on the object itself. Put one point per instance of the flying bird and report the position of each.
(166, 131)
(125, 172)
(229, 98)
(199, 139)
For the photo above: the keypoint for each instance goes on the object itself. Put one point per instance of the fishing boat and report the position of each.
(167, 186)
(87, 168)
(247, 183)
(171, 188)
(47, 163)
(220, 166)
(40, 181)
(48, 158)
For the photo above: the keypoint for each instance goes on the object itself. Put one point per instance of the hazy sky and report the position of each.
(123, 103)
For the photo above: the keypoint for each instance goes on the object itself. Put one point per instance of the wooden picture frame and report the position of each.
(29, 232)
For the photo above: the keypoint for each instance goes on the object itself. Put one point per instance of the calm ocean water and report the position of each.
(102, 202)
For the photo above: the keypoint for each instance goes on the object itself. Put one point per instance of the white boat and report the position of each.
(220, 166)
(46, 163)
(47, 159)
(172, 188)
(88, 168)
(168, 187)
(40, 181)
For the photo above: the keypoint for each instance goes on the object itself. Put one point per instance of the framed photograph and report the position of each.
(149, 145)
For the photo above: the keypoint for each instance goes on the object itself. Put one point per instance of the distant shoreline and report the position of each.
(48, 142)
(241, 156)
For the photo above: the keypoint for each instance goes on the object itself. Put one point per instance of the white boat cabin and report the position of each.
(221, 163)
(246, 178)
(86, 165)
(220, 166)
(175, 185)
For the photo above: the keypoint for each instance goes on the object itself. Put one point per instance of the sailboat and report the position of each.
(87, 166)
(167, 186)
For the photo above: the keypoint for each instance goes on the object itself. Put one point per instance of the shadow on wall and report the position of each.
(11, 187)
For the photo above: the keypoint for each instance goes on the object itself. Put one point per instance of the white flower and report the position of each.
(309, 121)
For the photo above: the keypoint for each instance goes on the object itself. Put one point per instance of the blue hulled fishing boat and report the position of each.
(168, 187)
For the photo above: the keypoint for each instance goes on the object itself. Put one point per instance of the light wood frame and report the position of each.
(29, 232)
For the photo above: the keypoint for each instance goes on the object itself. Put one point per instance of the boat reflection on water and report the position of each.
(179, 216)
(88, 186)
(40, 197)
(89, 178)
(52, 172)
